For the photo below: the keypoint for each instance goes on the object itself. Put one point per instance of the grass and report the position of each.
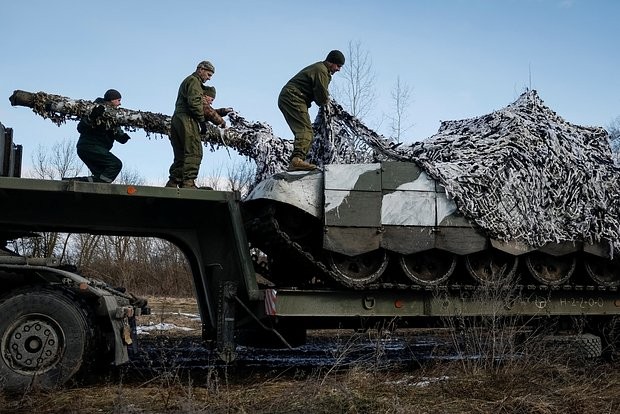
(542, 381)
(440, 388)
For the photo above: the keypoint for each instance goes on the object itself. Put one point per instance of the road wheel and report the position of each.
(44, 338)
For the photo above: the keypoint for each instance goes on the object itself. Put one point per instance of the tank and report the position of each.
(390, 225)
(517, 196)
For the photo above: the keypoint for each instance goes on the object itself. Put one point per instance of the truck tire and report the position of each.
(582, 346)
(44, 337)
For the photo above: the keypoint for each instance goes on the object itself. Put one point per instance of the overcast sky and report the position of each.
(461, 59)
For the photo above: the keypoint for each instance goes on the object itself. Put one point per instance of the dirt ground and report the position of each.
(538, 384)
(173, 316)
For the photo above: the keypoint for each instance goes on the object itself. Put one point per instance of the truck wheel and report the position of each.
(582, 346)
(44, 338)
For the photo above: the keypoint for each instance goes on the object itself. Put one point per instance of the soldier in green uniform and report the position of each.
(307, 86)
(187, 124)
(97, 138)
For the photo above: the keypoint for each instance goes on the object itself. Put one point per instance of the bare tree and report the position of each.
(60, 161)
(354, 88)
(130, 176)
(614, 138)
(401, 100)
(241, 176)
(214, 180)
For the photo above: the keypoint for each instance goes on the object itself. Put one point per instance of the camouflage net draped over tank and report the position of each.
(254, 140)
(520, 173)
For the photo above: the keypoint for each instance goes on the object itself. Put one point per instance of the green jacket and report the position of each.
(312, 82)
(96, 132)
(189, 98)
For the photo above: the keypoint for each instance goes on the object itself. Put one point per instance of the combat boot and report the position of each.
(297, 164)
(188, 184)
(173, 183)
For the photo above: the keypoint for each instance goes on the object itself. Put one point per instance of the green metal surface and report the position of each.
(425, 303)
(205, 225)
(395, 174)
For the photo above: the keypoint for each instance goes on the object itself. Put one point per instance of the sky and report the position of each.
(460, 59)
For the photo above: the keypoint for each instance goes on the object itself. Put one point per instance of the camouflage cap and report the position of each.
(205, 64)
(209, 91)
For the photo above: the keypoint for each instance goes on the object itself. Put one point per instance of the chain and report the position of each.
(277, 240)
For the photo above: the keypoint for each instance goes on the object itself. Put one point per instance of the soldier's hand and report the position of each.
(228, 110)
(97, 111)
(203, 127)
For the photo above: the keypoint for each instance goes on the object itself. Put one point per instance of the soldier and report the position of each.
(213, 115)
(97, 138)
(188, 123)
(309, 85)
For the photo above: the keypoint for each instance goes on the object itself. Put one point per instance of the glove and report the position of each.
(123, 138)
(97, 112)
(203, 127)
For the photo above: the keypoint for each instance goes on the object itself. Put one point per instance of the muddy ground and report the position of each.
(337, 371)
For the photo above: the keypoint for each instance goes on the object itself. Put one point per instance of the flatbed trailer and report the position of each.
(207, 226)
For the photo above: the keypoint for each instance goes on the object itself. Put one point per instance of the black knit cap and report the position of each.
(111, 94)
(335, 56)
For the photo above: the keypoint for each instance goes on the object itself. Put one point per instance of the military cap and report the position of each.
(209, 91)
(205, 64)
(111, 94)
(335, 56)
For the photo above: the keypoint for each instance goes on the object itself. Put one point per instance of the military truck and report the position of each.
(53, 321)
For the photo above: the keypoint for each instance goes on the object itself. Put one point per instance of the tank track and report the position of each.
(267, 228)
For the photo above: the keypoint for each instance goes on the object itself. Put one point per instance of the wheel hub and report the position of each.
(32, 344)
(361, 269)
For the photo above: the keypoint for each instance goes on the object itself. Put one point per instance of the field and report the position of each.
(543, 381)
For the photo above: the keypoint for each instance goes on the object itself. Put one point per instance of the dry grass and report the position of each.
(439, 389)
(533, 384)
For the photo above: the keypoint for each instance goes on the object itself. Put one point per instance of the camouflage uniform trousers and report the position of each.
(103, 165)
(295, 111)
(186, 147)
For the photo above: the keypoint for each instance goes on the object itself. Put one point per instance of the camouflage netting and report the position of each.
(254, 140)
(520, 173)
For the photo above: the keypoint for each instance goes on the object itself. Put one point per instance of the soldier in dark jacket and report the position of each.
(187, 124)
(215, 116)
(97, 138)
(309, 85)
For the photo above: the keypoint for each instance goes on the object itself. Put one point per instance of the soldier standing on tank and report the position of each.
(307, 86)
(188, 123)
(97, 138)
